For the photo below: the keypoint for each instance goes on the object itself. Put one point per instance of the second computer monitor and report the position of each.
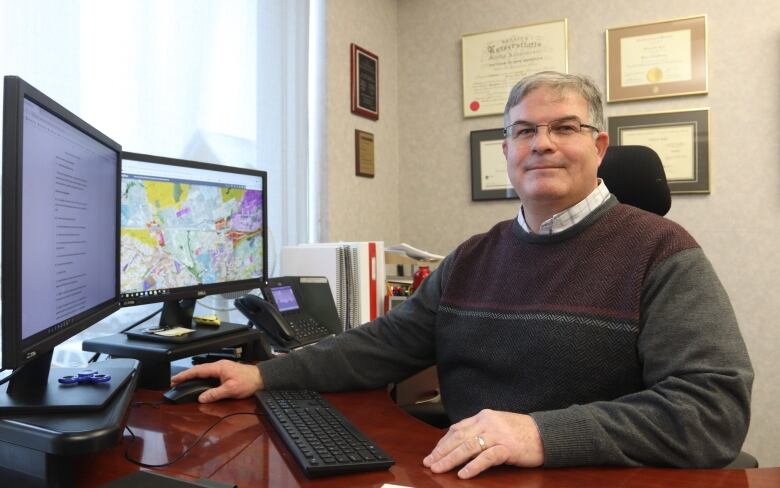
(189, 229)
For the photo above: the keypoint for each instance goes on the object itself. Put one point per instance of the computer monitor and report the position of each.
(60, 243)
(189, 229)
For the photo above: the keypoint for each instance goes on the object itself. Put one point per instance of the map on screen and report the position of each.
(181, 232)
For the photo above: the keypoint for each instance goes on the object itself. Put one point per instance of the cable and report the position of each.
(147, 404)
(141, 321)
(95, 356)
(7, 378)
(187, 450)
(272, 252)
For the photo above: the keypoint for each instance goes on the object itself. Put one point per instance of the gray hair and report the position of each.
(554, 80)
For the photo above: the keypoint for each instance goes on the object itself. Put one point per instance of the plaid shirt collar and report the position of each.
(572, 215)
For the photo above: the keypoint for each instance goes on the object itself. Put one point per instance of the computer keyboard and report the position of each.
(322, 441)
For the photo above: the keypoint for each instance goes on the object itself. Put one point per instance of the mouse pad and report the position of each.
(201, 332)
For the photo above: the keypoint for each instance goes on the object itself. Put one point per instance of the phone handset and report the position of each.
(265, 316)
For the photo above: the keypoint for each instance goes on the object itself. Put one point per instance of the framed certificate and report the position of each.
(661, 59)
(494, 61)
(681, 140)
(489, 179)
(364, 82)
(364, 154)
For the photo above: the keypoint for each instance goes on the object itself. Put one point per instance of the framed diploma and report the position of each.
(364, 82)
(489, 179)
(661, 59)
(494, 61)
(681, 140)
(364, 153)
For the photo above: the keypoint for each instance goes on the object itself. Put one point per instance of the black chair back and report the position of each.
(635, 175)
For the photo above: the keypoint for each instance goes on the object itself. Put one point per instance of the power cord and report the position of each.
(188, 449)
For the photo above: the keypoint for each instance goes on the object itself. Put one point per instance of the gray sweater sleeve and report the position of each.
(388, 349)
(695, 410)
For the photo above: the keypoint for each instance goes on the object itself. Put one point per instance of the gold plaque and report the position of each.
(364, 153)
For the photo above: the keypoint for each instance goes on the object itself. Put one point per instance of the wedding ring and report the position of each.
(481, 443)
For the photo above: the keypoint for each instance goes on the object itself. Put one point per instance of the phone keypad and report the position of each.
(307, 330)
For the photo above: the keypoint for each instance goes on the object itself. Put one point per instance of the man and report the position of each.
(583, 332)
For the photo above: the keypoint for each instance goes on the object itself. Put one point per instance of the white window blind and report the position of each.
(224, 82)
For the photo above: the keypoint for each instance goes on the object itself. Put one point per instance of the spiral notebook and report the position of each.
(355, 271)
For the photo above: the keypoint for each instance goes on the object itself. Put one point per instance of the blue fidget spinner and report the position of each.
(88, 376)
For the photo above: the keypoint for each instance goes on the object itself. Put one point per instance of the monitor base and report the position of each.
(58, 397)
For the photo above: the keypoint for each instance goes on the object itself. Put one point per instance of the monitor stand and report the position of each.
(156, 356)
(177, 312)
(37, 450)
(36, 388)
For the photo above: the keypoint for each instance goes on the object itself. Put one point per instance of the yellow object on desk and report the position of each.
(209, 320)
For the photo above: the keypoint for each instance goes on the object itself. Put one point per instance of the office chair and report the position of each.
(743, 460)
(635, 175)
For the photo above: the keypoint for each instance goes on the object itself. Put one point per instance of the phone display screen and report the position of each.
(284, 298)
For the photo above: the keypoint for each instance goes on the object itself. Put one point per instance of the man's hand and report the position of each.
(488, 439)
(237, 380)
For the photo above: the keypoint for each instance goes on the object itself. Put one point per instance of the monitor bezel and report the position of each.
(18, 351)
(202, 290)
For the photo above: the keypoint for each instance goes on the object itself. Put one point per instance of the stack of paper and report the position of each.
(414, 253)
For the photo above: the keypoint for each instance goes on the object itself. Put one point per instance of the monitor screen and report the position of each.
(68, 211)
(189, 229)
(60, 229)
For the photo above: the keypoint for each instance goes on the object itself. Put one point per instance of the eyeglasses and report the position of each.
(558, 130)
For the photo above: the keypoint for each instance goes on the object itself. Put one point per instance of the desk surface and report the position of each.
(245, 450)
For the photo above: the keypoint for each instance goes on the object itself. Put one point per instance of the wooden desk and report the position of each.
(245, 450)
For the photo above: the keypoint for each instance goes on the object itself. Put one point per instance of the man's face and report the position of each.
(553, 174)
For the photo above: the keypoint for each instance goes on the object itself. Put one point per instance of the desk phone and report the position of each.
(296, 311)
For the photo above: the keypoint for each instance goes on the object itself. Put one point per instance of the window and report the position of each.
(222, 82)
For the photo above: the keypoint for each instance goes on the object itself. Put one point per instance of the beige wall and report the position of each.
(361, 208)
(423, 162)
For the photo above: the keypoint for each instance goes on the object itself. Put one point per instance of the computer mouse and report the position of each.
(189, 391)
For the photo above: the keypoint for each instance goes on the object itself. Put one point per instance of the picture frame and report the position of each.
(364, 82)
(489, 179)
(493, 62)
(659, 59)
(681, 139)
(364, 154)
